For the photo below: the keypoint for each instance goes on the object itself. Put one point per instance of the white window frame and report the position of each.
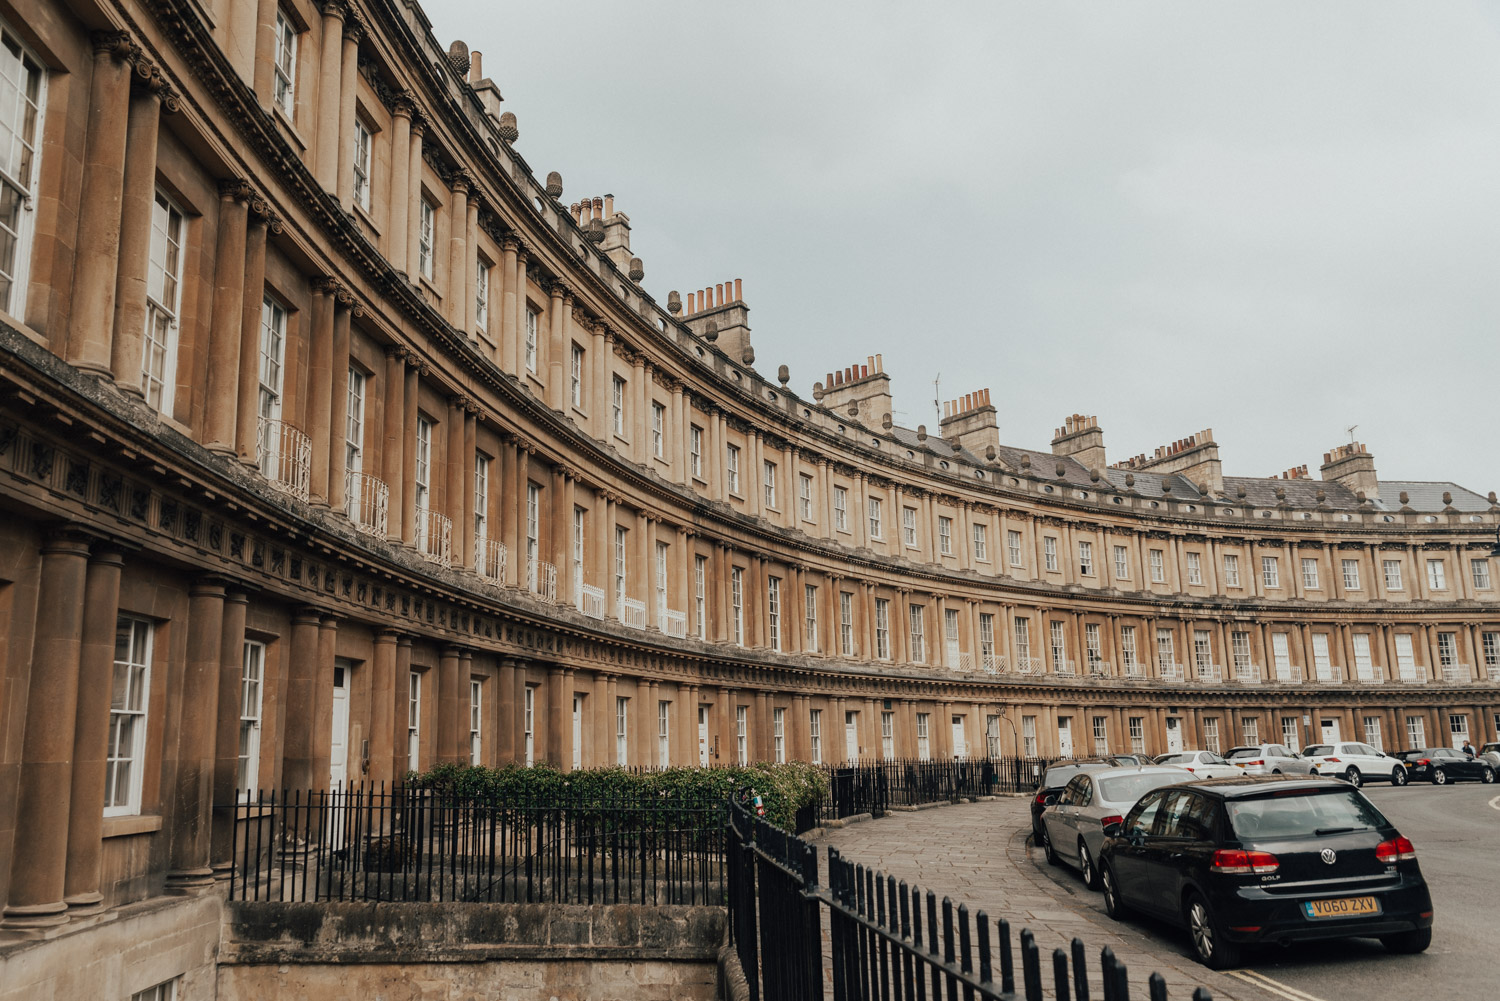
(354, 422)
(924, 742)
(805, 496)
(883, 628)
(917, 620)
(1085, 558)
(252, 693)
(481, 295)
(164, 268)
(481, 502)
(1211, 733)
(1270, 571)
(873, 509)
(986, 637)
(909, 527)
(414, 721)
(1022, 641)
(1049, 552)
(1310, 574)
(981, 544)
(1122, 563)
(284, 64)
(164, 991)
(617, 405)
(528, 724)
(1194, 568)
(945, 535)
(1437, 575)
(700, 596)
(622, 731)
(658, 429)
(810, 616)
(1350, 570)
(695, 451)
(580, 527)
(1128, 660)
(1239, 643)
(1392, 571)
(1100, 726)
(732, 468)
(1281, 655)
(741, 735)
(129, 716)
(841, 509)
(815, 735)
(1093, 645)
(1416, 732)
(1166, 647)
(888, 735)
(1250, 730)
(768, 479)
(476, 721)
(1137, 725)
(992, 736)
(773, 612)
(363, 140)
(1231, 570)
(1480, 573)
(21, 159)
(663, 733)
(1028, 736)
(1013, 544)
(737, 606)
(575, 376)
(271, 376)
(846, 623)
(533, 534)
(1158, 566)
(533, 321)
(426, 221)
(1373, 736)
(620, 567)
(422, 495)
(1057, 636)
(662, 551)
(778, 735)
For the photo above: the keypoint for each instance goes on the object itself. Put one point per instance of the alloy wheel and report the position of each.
(1112, 904)
(1202, 930)
(1355, 779)
(1439, 777)
(1398, 776)
(1487, 776)
(1086, 866)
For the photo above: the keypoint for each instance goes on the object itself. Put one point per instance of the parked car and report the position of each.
(1440, 765)
(1073, 828)
(1268, 759)
(1355, 762)
(1133, 759)
(1204, 764)
(1053, 780)
(1491, 753)
(1259, 860)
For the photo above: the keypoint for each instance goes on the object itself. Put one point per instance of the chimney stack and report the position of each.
(1351, 466)
(969, 422)
(862, 386)
(1082, 438)
(1195, 457)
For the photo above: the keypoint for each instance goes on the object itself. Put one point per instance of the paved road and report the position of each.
(978, 854)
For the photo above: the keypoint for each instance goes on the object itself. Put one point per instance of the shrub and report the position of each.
(783, 788)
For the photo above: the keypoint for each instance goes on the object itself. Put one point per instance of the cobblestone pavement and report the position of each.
(977, 853)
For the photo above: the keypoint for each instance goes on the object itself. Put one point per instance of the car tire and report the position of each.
(1209, 944)
(1051, 853)
(1113, 905)
(1086, 867)
(1276, 771)
(1487, 776)
(1439, 777)
(1398, 777)
(1408, 942)
(1352, 776)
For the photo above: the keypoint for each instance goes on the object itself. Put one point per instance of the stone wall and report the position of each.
(331, 952)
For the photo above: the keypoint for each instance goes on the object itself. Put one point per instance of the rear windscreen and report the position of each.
(1129, 788)
(1303, 814)
(1243, 752)
(1313, 750)
(1177, 759)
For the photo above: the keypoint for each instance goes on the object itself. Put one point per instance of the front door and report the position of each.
(338, 757)
(1065, 737)
(1330, 731)
(1174, 735)
(851, 736)
(960, 746)
(703, 736)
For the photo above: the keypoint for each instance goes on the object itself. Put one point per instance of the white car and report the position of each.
(1204, 764)
(1268, 759)
(1355, 763)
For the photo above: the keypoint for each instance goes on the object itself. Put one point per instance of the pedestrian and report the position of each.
(1468, 748)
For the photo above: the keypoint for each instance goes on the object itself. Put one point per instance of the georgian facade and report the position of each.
(333, 444)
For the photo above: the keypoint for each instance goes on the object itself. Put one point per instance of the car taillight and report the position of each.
(1041, 799)
(1424, 761)
(1332, 761)
(1106, 821)
(1257, 761)
(1189, 768)
(1395, 850)
(1233, 862)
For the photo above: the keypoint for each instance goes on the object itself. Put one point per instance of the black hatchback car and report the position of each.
(1440, 765)
(1249, 861)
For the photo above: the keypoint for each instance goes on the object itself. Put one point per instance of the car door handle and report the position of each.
(1176, 855)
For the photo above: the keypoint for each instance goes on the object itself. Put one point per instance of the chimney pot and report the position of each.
(609, 206)
(737, 295)
(476, 73)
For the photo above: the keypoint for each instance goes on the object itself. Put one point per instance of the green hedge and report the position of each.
(784, 788)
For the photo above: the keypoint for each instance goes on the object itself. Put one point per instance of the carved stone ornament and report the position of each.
(508, 130)
(554, 185)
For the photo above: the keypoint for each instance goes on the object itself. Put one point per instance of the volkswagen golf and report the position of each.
(1249, 861)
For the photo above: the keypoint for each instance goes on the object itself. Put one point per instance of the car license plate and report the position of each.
(1341, 907)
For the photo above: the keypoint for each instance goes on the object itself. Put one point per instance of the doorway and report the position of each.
(1330, 731)
(338, 757)
(960, 746)
(851, 736)
(577, 732)
(1174, 735)
(1065, 736)
(703, 736)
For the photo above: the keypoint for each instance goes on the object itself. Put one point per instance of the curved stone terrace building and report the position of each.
(335, 443)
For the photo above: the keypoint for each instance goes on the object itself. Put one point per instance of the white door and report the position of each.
(851, 736)
(1174, 735)
(703, 736)
(960, 747)
(338, 758)
(1065, 737)
(1330, 731)
(577, 732)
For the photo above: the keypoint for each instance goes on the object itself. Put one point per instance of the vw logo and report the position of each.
(1329, 856)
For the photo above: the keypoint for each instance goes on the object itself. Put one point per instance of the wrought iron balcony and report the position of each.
(284, 455)
(591, 601)
(1135, 670)
(1457, 673)
(991, 663)
(435, 538)
(1099, 668)
(489, 559)
(367, 503)
(541, 579)
(1212, 673)
(633, 613)
(673, 623)
(1247, 674)
(1170, 670)
(1064, 669)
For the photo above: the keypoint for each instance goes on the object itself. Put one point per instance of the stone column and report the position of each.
(192, 797)
(247, 393)
(101, 605)
(393, 436)
(328, 139)
(453, 465)
(43, 802)
(399, 202)
(559, 712)
(227, 732)
(400, 757)
(558, 307)
(464, 537)
(519, 366)
(409, 457)
(348, 78)
(99, 206)
(320, 386)
(227, 316)
(137, 199)
(413, 233)
(322, 690)
(383, 709)
(302, 672)
(338, 394)
(459, 299)
(471, 268)
(449, 704)
(509, 336)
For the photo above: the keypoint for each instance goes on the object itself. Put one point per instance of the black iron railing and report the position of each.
(876, 787)
(886, 940)
(374, 844)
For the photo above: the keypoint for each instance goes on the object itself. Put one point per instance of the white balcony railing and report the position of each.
(955, 656)
(541, 579)
(1212, 673)
(673, 622)
(1030, 665)
(633, 613)
(367, 503)
(991, 663)
(1331, 678)
(1064, 668)
(1454, 673)
(1247, 674)
(591, 601)
(1135, 670)
(1415, 678)
(435, 537)
(489, 559)
(1170, 671)
(284, 455)
(1099, 669)
(1493, 672)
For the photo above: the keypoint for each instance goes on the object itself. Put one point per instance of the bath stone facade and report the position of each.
(334, 443)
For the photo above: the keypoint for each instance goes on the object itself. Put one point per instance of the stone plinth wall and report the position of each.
(331, 952)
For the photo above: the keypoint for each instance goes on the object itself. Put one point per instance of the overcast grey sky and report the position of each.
(1271, 219)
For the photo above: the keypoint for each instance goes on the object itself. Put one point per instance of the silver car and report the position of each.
(1090, 802)
(1269, 759)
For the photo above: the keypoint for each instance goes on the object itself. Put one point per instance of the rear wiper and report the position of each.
(1336, 830)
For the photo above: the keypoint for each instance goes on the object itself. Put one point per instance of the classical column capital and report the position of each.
(403, 105)
(461, 181)
(235, 189)
(116, 43)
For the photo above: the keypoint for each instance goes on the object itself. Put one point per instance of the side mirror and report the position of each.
(1112, 830)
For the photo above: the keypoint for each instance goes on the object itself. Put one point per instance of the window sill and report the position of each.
(285, 121)
(425, 283)
(579, 411)
(363, 214)
(119, 827)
